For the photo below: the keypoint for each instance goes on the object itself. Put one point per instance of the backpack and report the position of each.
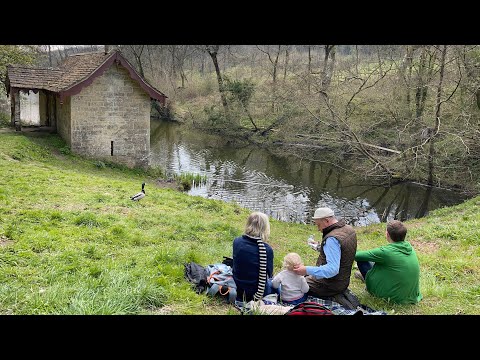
(227, 260)
(220, 281)
(197, 275)
(309, 308)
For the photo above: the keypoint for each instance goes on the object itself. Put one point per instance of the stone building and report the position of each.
(96, 102)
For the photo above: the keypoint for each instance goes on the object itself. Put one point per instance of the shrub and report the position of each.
(4, 119)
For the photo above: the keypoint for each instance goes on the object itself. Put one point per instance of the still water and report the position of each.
(286, 188)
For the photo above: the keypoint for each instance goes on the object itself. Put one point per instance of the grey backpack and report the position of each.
(220, 282)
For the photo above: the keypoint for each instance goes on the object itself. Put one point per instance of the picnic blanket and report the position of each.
(338, 309)
(269, 307)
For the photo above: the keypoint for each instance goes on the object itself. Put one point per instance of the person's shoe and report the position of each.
(359, 276)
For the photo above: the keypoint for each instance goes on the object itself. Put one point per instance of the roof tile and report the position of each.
(74, 69)
(72, 74)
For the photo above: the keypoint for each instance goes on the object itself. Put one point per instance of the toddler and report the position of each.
(293, 288)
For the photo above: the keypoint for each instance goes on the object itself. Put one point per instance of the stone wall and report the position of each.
(110, 119)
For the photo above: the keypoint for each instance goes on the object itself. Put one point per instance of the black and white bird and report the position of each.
(140, 195)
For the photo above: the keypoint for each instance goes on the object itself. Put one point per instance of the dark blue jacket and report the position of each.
(246, 266)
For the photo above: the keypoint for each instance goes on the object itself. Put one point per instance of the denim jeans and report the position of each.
(364, 267)
(295, 302)
(269, 289)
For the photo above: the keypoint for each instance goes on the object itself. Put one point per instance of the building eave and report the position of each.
(119, 59)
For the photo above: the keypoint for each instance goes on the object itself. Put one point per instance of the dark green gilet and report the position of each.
(346, 236)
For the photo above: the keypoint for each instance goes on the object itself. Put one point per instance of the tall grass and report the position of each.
(188, 180)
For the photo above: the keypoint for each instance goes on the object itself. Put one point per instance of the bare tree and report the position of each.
(309, 67)
(405, 71)
(285, 66)
(471, 63)
(436, 128)
(425, 72)
(179, 55)
(328, 67)
(49, 56)
(273, 56)
(213, 50)
(340, 124)
(137, 51)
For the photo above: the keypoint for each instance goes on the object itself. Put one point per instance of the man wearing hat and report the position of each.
(331, 275)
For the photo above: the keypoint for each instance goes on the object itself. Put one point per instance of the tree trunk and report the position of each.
(328, 66)
(309, 69)
(286, 65)
(250, 117)
(405, 75)
(174, 70)
(420, 92)
(380, 63)
(431, 155)
(425, 73)
(183, 77)
(49, 56)
(409, 80)
(356, 58)
(152, 71)
(212, 51)
(138, 57)
(140, 67)
(274, 76)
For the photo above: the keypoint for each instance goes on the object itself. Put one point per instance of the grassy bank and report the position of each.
(72, 242)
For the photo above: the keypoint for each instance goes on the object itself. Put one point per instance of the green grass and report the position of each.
(72, 242)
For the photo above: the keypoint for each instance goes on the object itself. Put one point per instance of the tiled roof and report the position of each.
(74, 69)
(33, 78)
(78, 67)
(73, 74)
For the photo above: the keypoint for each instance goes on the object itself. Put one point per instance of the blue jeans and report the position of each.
(365, 267)
(295, 302)
(269, 289)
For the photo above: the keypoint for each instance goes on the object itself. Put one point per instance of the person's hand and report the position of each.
(313, 245)
(300, 270)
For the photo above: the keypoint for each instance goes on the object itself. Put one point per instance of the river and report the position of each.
(286, 187)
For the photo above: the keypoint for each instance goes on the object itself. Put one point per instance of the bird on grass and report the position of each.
(140, 195)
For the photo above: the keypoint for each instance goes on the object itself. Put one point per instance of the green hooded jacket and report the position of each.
(396, 273)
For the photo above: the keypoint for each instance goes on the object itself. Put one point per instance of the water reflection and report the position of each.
(286, 188)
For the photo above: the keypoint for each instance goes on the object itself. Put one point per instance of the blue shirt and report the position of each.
(332, 267)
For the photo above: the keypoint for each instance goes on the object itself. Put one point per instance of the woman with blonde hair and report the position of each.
(293, 288)
(253, 259)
